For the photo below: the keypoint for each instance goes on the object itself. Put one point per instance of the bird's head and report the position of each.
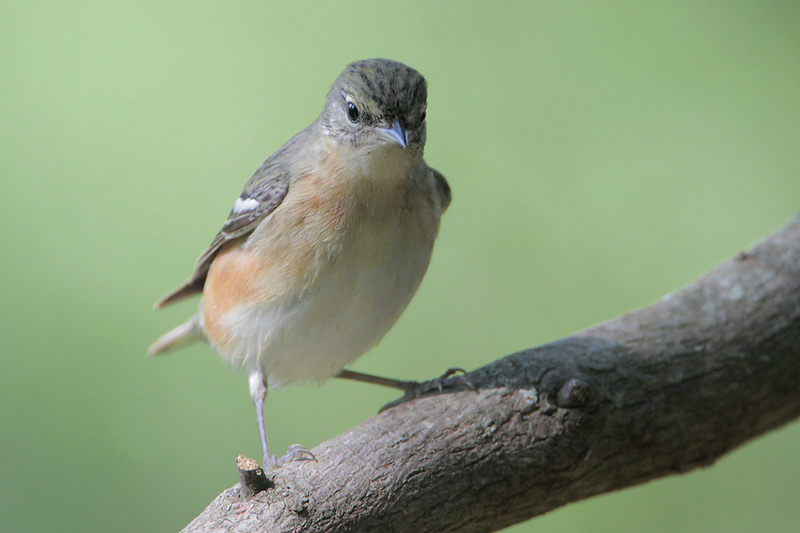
(376, 105)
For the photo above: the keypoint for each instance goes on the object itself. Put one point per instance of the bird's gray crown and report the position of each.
(385, 86)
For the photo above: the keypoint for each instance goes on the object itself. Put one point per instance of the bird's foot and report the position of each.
(416, 389)
(295, 452)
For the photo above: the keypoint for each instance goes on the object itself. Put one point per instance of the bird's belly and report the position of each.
(354, 297)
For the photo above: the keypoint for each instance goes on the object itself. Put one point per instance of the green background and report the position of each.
(601, 154)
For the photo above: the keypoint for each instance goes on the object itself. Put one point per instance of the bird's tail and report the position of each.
(187, 333)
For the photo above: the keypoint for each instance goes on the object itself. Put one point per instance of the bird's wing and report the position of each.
(263, 193)
(444, 189)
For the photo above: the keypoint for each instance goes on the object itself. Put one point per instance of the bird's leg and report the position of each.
(412, 389)
(258, 391)
(375, 380)
(296, 452)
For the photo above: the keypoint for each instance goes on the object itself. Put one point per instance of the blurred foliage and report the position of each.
(601, 154)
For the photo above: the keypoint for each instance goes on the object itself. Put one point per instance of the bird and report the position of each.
(326, 244)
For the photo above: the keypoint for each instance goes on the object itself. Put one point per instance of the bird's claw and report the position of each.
(295, 452)
(416, 389)
(463, 379)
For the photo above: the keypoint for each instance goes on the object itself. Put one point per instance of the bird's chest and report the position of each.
(376, 234)
(348, 237)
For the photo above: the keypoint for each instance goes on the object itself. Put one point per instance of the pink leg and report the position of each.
(258, 391)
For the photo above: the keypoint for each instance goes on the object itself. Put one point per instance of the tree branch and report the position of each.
(655, 392)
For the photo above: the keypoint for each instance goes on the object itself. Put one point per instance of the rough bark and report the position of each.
(655, 392)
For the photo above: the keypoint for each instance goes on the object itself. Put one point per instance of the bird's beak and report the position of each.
(395, 134)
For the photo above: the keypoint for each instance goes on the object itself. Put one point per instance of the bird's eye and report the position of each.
(352, 112)
(422, 117)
